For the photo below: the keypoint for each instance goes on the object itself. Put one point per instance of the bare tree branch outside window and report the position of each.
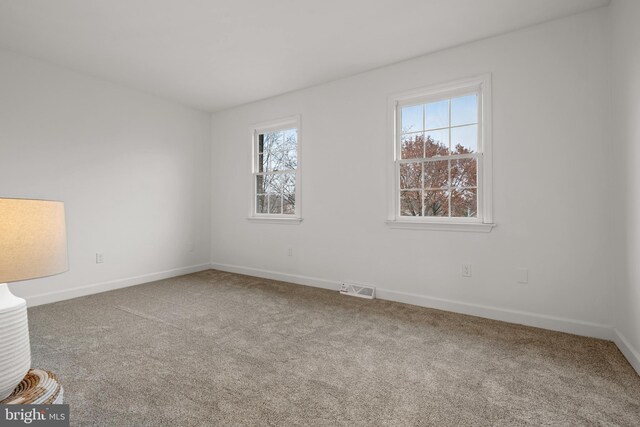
(276, 172)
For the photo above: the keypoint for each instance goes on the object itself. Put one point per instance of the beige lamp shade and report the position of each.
(33, 239)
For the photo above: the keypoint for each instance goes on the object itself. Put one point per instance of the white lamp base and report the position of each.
(15, 352)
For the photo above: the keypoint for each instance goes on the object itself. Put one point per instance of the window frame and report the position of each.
(484, 221)
(257, 129)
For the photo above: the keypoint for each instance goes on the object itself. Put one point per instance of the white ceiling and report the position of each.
(215, 54)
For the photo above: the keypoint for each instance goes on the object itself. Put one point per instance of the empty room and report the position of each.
(320, 213)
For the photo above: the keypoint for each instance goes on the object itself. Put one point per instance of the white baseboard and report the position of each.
(95, 288)
(274, 275)
(632, 355)
(560, 324)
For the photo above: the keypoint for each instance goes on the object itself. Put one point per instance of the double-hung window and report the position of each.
(276, 172)
(441, 157)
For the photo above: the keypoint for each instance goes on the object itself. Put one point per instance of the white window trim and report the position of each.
(485, 184)
(256, 129)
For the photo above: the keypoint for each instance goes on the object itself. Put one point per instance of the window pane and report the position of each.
(436, 174)
(266, 160)
(260, 143)
(277, 161)
(289, 204)
(267, 141)
(464, 203)
(411, 120)
(273, 183)
(437, 114)
(275, 203)
(275, 141)
(437, 143)
(412, 146)
(280, 181)
(290, 149)
(464, 139)
(290, 138)
(464, 110)
(410, 203)
(411, 175)
(290, 158)
(260, 184)
(436, 203)
(261, 203)
(464, 173)
(289, 183)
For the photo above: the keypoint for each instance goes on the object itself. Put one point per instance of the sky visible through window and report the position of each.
(433, 118)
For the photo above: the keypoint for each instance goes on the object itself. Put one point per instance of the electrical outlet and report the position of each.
(99, 258)
(466, 270)
(290, 252)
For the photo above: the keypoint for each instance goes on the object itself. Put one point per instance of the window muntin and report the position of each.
(439, 156)
(275, 171)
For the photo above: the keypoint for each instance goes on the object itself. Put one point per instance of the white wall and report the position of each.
(132, 169)
(552, 163)
(626, 113)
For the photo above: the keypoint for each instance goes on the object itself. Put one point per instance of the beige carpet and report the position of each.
(216, 348)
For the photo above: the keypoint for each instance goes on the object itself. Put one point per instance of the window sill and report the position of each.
(473, 227)
(278, 220)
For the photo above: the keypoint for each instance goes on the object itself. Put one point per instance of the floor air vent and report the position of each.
(360, 291)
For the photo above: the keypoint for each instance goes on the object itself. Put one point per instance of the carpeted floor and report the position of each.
(216, 348)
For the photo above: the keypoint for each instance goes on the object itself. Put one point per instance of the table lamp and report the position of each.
(33, 244)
